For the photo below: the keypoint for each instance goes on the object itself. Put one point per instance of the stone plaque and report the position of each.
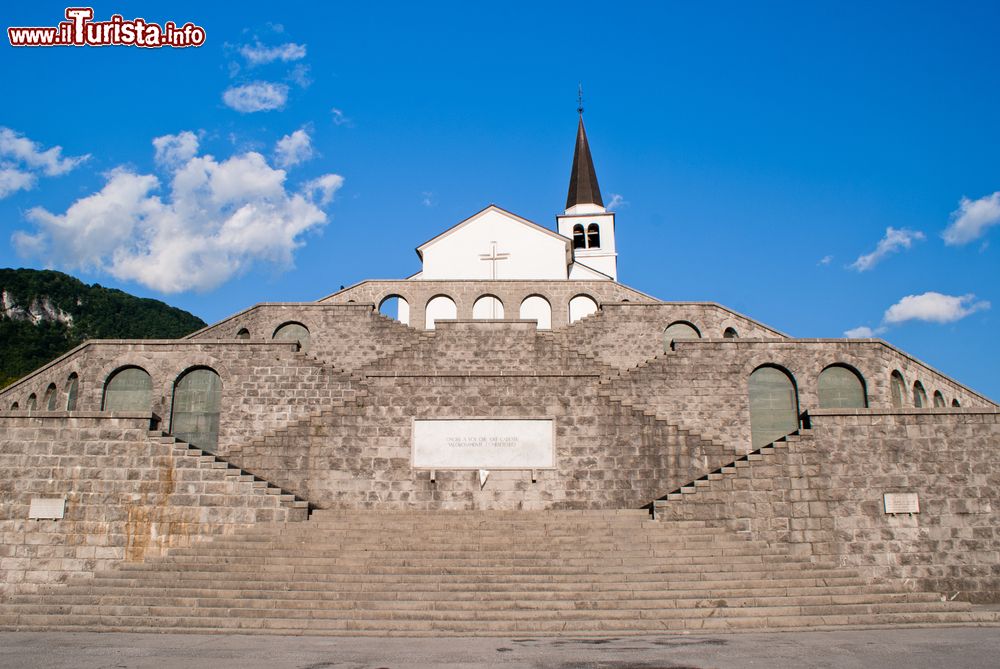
(43, 508)
(901, 502)
(483, 443)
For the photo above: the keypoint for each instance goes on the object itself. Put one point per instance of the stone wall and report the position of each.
(128, 495)
(345, 336)
(702, 384)
(824, 493)
(353, 456)
(626, 334)
(465, 293)
(265, 384)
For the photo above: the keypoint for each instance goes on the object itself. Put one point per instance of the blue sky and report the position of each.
(759, 153)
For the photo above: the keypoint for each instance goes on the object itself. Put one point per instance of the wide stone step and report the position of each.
(489, 612)
(500, 592)
(366, 627)
(82, 603)
(471, 559)
(457, 583)
(392, 552)
(501, 568)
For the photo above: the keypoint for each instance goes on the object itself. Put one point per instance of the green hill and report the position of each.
(43, 314)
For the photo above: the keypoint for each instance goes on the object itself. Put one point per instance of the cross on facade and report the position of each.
(494, 257)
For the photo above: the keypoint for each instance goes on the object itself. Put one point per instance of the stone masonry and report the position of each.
(329, 425)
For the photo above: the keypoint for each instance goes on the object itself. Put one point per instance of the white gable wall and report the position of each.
(533, 253)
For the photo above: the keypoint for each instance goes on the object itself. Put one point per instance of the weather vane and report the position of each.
(579, 98)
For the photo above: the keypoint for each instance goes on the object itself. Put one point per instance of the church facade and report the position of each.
(514, 373)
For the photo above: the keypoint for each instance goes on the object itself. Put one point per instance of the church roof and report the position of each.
(583, 188)
(568, 242)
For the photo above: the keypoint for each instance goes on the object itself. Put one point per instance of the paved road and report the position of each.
(955, 648)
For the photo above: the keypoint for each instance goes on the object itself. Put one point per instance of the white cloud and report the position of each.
(20, 149)
(970, 220)
(860, 332)
(934, 308)
(323, 188)
(616, 201)
(213, 220)
(427, 198)
(893, 241)
(339, 118)
(293, 149)
(175, 150)
(825, 260)
(258, 54)
(13, 179)
(300, 76)
(256, 96)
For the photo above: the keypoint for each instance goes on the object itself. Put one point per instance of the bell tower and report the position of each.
(586, 221)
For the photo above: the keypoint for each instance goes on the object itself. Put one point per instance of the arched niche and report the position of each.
(919, 395)
(196, 406)
(72, 391)
(581, 306)
(128, 389)
(243, 334)
(487, 307)
(939, 399)
(50, 397)
(439, 307)
(679, 330)
(395, 307)
(293, 331)
(537, 308)
(774, 405)
(841, 387)
(897, 389)
(730, 333)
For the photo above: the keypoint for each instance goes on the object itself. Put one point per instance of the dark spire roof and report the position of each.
(583, 188)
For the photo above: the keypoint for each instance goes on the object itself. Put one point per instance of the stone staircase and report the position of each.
(255, 484)
(731, 469)
(477, 573)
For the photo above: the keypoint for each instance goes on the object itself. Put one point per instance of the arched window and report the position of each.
(128, 389)
(32, 402)
(395, 307)
(731, 333)
(15, 406)
(487, 307)
(679, 330)
(439, 307)
(939, 399)
(293, 332)
(581, 306)
(593, 236)
(243, 334)
(579, 241)
(841, 387)
(50, 397)
(537, 308)
(774, 405)
(72, 390)
(956, 403)
(919, 395)
(195, 414)
(897, 388)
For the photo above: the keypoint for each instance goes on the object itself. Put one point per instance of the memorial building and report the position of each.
(509, 441)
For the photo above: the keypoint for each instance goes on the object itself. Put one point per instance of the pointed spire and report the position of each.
(583, 188)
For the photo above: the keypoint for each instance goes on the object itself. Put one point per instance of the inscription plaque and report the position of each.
(487, 443)
(43, 508)
(901, 502)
